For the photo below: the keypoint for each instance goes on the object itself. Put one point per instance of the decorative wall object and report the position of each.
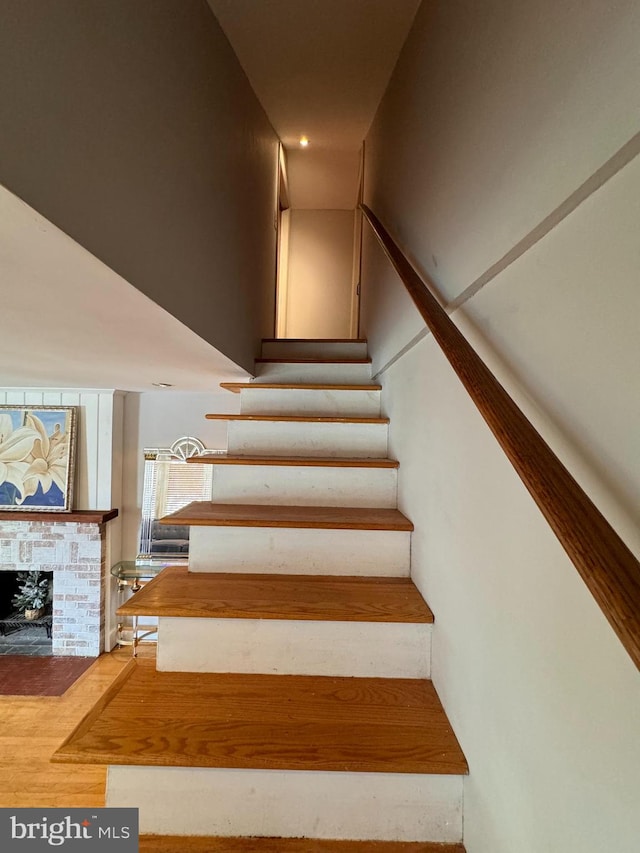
(37, 458)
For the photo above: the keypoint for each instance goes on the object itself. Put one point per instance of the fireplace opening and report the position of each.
(8, 588)
(21, 632)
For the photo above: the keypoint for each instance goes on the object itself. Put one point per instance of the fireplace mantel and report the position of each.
(79, 516)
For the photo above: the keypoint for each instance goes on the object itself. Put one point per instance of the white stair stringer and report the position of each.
(338, 373)
(295, 647)
(300, 551)
(310, 401)
(314, 349)
(305, 485)
(308, 438)
(290, 804)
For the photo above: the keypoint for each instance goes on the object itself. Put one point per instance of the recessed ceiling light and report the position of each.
(304, 141)
(162, 384)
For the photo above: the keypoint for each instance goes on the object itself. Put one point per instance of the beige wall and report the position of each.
(132, 127)
(323, 179)
(496, 116)
(319, 273)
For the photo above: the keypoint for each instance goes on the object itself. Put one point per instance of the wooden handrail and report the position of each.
(607, 566)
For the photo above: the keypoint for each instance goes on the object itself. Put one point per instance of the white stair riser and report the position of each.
(307, 438)
(304, 485)
(290, 804)
(379, 553)
(295, 401)
(314, 349)
(294, 647)
(336, 374)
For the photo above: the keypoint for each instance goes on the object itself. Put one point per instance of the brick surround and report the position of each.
(75, 552)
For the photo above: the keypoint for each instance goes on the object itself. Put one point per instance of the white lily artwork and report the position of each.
(37, 454)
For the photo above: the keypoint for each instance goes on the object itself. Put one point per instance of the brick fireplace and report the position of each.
(72, 547)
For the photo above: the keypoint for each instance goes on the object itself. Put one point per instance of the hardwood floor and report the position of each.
(32, 728)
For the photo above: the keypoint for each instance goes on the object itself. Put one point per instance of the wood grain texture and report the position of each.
(295, 461)
(96, 710)
(314, 340)
(236, 387)
(177, 592)
(203, 844)
(609, 569)
(269, 722)
(83, 516)
(31, 728)
(312, 360)
(260, 515)
(315, 419)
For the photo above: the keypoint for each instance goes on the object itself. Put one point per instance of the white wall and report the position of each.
(157, 419)
(319, 273)
(494, 159)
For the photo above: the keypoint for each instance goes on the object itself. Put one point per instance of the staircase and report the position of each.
(290, 698)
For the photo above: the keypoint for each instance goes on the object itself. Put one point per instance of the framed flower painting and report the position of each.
(37, 458)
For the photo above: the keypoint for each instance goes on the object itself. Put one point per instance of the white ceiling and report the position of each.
(68, 321)
(319, 68)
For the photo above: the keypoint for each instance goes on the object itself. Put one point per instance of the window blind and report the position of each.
(168, 485)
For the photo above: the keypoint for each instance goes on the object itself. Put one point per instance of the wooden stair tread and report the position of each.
(178, 592)
(311, 360)
(209, 844)
(314, 340)
(318, 419)
(236, 387)
(295, 461)
(260, 515)
(268, 722)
